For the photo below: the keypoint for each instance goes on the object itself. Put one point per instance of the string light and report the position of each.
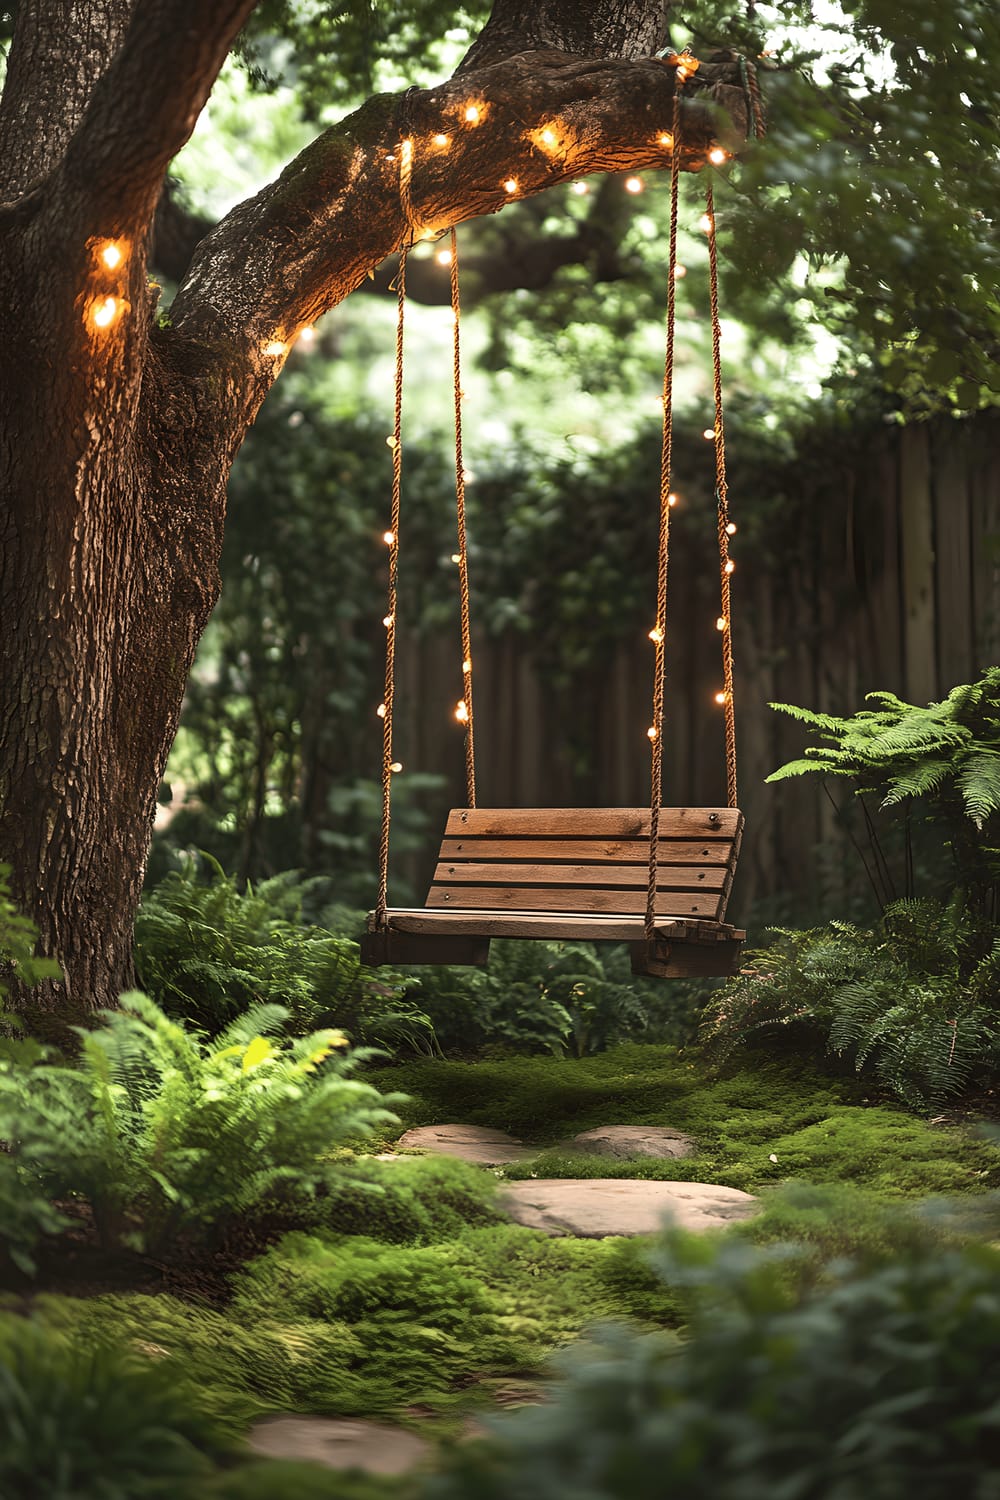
(548, 137)
(461, 712)
(111, 254)
(388, 537)
(466, 666)
(581, 188)
(397, 766)
(730, 566)
(456, 557)
(390, 441)
(308, 335)
(656, 634)
(720, 697)
(633, 184)
(717, 156)
(441, 140)
(651, 732)
(444, 257)
(510, 186)
(105, 312)
(709, 434)
(706, 223)
(671, 498)
(722, 623)
(731, 528)
(666, 139)
(387, 620)
(680, 272)
(380, 711)
(473, 114)
(276, 348)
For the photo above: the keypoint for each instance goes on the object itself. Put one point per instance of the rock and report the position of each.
(475, 1143)
(624, 1141)
(595, 1207)
(340, 1443)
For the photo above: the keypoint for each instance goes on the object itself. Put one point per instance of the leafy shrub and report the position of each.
(419, 1200)
(909, 1003)
(885, 1381)
(206, 952)
(18, 938)
(162, 1133)
(97, 1422)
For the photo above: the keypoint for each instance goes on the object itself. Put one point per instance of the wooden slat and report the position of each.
(606, 928)
(669, 877)
(593, 822)
(709, 851)
(557, 898)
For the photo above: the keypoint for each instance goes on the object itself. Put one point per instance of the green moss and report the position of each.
(418, 1200)
(280, 1480)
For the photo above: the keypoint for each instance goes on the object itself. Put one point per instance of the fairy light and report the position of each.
(396, 766)
(581, 188)
(111, 254)
(731, 528)
(380, 711)
(390, 441)
(461, 712)
(722, 623)
(651, 732)
(666, 139)
(680, 272)
(510, 186)
(441, 139)
(466, 666)
(706, 223)
(730, 566)
(105, 312)
(717, 156)
(388, 537)
(633, 184)
(721, 697)
(276, 348)
(671, 498)
(444, 257)
(548, 137)
(709, 434)
(308, 335)
(656, 634)
(387, 620)
(473, 114)
(456, 557)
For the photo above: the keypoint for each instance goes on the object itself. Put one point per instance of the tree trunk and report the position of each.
(116, 439)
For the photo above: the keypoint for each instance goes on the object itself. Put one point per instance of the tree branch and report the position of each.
(146, 104)
(607, 28)
(300, 246)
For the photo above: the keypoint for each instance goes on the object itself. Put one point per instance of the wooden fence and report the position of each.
(891, 580)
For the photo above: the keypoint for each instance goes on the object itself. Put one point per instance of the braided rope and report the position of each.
(663, 550)
(722, 501)
(465, 703)
(381, 903)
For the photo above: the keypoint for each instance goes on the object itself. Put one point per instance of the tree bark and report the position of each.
(116, 441)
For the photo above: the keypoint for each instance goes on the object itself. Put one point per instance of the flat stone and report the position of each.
(625, 1141)
(475, 1143)
(340, 1443)
(591, 1208)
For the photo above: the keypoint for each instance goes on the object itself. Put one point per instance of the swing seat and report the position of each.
(575, 873)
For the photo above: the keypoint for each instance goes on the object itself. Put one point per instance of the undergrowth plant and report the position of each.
(163, 1133)
(913, 1002)
(205, 951)
(941, 759)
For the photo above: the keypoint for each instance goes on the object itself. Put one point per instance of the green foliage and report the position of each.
(886, 1382)
(95, 1421)
(944, 757)
(420, 1200)
(207, 951)
(911, 1003)
(18, 938)
(162, 1133)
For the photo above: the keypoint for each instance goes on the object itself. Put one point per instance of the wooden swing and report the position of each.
(657, 878)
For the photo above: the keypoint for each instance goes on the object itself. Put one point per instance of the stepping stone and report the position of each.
(475, 1143)
(340, 1443)
(627, 1141)
(593, 1208)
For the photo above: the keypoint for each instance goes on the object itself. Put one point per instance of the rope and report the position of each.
(464, 711)
(722, 501)
(381, 903)
(751, 87)
(663, 551)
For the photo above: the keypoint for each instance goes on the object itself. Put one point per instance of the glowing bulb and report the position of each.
(106, 312)
(730, 566)
(472, 114)
(397, 765)
(656, 634)
(276, 348)
(720, 697)
(666, 139)
(390, 441)
(680, 272)
(440, 139)
(308, 335)
(721, 623)
(388, 537)
(651, 732)
(706, 223)
(456, 557)
(510, 186)
(111, 254)
(581, 188)
(380, 711)
(461, 712)
(387, 621)
(444, 257)
(633, 184)
(709, 434)
(467, 666)
(682, 75)
(731, 529)
(549, 137)
(672, 498)
(717, 156)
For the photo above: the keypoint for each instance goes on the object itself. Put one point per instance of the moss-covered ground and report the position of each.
(405, 1295)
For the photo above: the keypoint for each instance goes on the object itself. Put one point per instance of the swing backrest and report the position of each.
(580, 859)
